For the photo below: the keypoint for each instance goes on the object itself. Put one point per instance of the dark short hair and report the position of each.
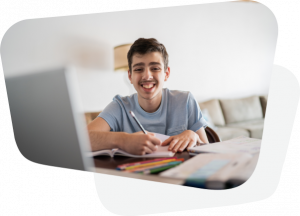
(143, 46)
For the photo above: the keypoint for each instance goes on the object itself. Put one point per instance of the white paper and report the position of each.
(236, 145)
(162, 151)
(162, 137)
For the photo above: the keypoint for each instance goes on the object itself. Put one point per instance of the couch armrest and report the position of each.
(263, 102)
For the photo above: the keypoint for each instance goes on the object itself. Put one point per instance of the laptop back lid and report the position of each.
(48, 124)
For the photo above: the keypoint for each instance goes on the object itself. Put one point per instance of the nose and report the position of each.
(147, 75)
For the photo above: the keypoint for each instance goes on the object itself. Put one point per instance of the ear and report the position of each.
(129, 76)
(167, 74)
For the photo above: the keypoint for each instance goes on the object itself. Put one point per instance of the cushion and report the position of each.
(263, 102)
(214, 110)
(238, 110)
(226, 133)
(255, 127)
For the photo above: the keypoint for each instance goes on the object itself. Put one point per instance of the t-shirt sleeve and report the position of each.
(195, 117)
(112, 114)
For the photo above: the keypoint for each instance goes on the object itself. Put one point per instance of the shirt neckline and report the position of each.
(140, 109)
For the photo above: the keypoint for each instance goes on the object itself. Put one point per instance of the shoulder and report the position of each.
(114, 111)
(178, 95)
(124, 99)
(117, 104)
(126, 103)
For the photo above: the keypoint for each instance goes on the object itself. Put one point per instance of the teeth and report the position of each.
(148, 86)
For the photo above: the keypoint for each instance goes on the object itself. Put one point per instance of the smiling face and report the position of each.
(148, 75)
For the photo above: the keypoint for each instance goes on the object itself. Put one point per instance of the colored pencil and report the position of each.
(142, 170)
(123, 166)
(149, 167)
(159, 169)
(154, 163)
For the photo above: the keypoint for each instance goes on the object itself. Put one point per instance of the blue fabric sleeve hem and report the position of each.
(198, 125)
(107, 118)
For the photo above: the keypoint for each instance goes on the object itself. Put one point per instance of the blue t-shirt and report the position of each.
(178, 111)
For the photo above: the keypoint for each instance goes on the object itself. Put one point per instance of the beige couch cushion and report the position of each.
(238, 110)
(255, 127)
(226, 133)
(215, 111)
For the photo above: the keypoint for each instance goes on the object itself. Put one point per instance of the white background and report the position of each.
(217, 50)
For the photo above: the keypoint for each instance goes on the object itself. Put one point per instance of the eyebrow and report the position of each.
(143, 64)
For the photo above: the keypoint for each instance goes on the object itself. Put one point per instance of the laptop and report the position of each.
(48, 122)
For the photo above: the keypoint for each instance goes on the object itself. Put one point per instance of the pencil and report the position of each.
(159, 169)
(123, 166)
(149, 167)
(142, 170)
(154, 163)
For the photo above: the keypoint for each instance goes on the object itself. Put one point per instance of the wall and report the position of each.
(220, 50)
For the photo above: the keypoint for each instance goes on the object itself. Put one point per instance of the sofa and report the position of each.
(236, 117)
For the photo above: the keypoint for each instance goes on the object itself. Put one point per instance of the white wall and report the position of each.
(220, 50)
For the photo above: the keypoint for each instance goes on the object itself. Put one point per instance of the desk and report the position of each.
(108, 165)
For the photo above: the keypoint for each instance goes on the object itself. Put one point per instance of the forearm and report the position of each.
(200, 140)
(202, 135)
(107, 140)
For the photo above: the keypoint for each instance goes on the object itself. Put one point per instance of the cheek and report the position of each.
(135, 81)
(164, 77)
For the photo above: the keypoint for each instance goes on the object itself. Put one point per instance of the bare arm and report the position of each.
(102, 138)
(202, 135)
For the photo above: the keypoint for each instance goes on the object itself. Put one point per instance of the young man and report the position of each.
(164, 111)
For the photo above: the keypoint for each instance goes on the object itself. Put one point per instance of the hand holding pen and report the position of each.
(142, 143)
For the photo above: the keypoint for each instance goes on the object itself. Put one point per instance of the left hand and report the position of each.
(186, 139)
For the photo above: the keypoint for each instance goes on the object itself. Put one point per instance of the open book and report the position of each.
(162, 151)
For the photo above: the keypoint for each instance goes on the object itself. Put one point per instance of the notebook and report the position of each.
(162, 151)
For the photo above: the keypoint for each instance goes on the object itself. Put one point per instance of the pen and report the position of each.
(137, 121)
